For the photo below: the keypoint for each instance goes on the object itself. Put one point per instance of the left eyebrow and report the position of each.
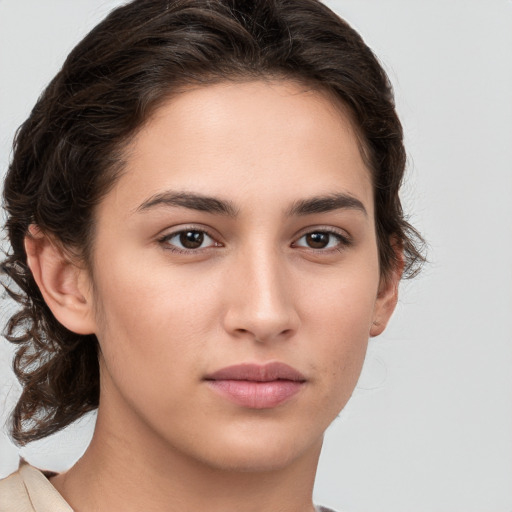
(328, 203)
(191, 201)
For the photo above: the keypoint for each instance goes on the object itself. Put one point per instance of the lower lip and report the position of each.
(256, 395)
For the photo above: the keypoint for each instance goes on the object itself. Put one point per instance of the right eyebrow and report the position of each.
(327, 203)
(191, 201)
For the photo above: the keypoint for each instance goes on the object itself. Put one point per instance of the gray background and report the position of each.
(429, 428)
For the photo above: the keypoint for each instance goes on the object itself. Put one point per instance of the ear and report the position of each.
(64, 286)
(387, 296)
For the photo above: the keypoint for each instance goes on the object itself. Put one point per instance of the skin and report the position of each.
(254, 291)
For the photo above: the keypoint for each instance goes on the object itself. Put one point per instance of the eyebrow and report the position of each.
(328, 203)
(199, 202)
(190, 200)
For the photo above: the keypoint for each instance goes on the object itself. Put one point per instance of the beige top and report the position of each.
(29, 490)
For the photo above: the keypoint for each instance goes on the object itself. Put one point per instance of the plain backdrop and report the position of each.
(429, 428)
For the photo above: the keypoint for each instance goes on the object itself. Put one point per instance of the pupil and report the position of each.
(191, 239)
(318, 240)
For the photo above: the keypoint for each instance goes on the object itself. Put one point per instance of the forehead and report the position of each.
(275, 140)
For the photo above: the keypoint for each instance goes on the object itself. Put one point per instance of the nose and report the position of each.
(261, 303)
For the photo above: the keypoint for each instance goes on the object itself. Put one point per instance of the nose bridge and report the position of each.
(261, 303)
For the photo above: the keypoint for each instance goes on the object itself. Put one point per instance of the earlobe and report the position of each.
(387, 297)
(60, 281)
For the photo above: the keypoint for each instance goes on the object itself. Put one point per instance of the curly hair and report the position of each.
(67, 154)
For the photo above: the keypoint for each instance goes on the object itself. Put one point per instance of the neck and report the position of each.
(129, 468)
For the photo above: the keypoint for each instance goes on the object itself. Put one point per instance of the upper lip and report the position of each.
(257, 373)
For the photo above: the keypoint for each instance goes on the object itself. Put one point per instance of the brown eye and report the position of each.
(317, 240)
(191, 239)
(322, 240)
(188, 240)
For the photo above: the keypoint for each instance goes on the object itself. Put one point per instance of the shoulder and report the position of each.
(28, 490)
(323, 509)
(13, 494)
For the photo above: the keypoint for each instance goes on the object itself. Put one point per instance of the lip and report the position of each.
(257, 386)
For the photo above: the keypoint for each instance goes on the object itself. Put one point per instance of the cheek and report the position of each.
(339, 318)
(143, 293)
(151, 319)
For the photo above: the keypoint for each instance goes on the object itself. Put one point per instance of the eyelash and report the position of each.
(343, 241)
(164, 240)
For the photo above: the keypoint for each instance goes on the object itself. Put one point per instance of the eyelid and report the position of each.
(167, 235)
(345, 240)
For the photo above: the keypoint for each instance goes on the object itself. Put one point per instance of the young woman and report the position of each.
(205, 230)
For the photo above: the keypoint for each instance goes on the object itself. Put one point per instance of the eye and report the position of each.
(322, 240)
(188, 240)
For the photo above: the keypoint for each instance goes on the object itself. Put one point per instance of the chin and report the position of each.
(247, 461)
(266, 452)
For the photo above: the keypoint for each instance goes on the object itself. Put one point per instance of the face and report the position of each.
(236, 275)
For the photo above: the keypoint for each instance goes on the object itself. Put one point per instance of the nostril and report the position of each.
(261, 322)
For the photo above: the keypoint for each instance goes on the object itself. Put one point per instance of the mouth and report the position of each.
(257, 386)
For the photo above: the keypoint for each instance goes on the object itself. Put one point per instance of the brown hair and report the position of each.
(67, 154)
